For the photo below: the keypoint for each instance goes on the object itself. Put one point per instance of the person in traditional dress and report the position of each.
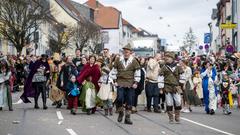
(66, 70)
(72, 91)
(188, 93)
(56, 95)
(93, 73)
(5, 93)
(197, 81)
(126, 75)
(209, 78)
(36, 82)
(141, 85)
(106, 90)
(77, 61)
(151, 87)
(225, 91)
(171, 73)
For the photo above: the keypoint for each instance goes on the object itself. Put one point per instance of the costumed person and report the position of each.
(56, 95)
(77, 60)
(5, 93)
(171, 73)
(188, 93)
(209, 78)
(106, 56)
(237, 72)
(197, 81)
(225, 91)
(36, 82)
(141, 85)
(72, 91)
(126, 75)
(106, 90)
(151, 87)
(93, 73)
(66, 70)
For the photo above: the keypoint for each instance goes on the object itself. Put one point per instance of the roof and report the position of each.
(94, 4)
(70, 9)
(126, 23)
(107, 17)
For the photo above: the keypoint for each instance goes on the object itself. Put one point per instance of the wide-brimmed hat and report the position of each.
(170, 54)
(127, 47)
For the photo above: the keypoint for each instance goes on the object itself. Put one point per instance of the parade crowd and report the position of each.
(172, 83)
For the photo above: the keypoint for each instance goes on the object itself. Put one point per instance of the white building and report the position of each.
(110, 21)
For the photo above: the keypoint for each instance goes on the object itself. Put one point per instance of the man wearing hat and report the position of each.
(126, 75)
(171, 73)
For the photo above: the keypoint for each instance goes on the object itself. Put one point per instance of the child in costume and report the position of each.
(225, 91)
(73, 92)
(106, 90)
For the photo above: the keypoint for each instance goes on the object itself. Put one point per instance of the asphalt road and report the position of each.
(25, 120)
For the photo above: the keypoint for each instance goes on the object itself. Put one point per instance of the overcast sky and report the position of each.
(179, 14)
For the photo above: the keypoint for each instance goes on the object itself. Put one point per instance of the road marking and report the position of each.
(212, 128)
(18, 102)
(71, 132)
(60, 122)
(59, 115)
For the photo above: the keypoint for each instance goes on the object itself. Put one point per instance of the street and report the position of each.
(25, 120)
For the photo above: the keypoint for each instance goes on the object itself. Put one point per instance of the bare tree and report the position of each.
(87, 33)
(20, 19)
(62, 41)
(189, 40)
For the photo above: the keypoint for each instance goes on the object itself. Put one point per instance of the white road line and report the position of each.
(18, 102)
(59, 115)
(212, 128)
(60, 122)
(71, 132)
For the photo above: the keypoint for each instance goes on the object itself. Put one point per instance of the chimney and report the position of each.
(97, 4)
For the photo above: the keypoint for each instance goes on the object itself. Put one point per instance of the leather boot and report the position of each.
(127, 118)
(177, 116)
(121, 114)
(106, 112)
(110, 111)
(9, 96)
(36, 103)
(170, 115)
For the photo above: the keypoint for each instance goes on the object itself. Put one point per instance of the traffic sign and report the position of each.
(228, 25)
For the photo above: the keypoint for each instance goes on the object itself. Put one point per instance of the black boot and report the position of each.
(88, 111)
(121, 114)
(44, 99)
(106, 112)
(127, 118)
(73, 112)
(212, 112)
(9, 97)
(59, 104)
(36, 103)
